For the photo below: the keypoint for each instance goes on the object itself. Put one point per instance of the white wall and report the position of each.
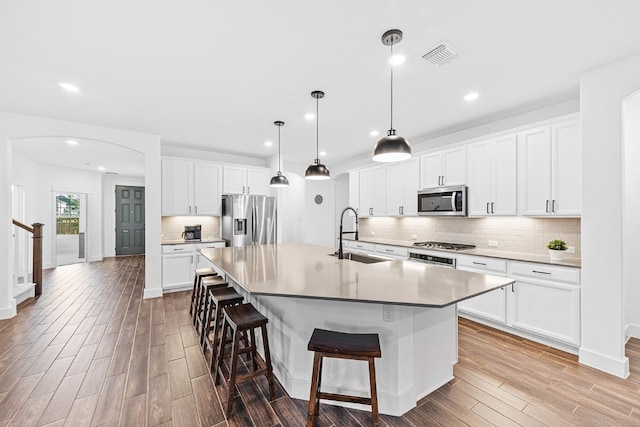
(631, 208)
(601, 93)
(109, 183)
(319, 219)
(55, 179)
(342, 201)
(14, 127)
(291, 215)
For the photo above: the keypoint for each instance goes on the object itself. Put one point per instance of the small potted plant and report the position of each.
(556, 249)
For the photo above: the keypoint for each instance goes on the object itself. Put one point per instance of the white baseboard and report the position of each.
(10, 311)
(23, 292)
(619, 368)
(152, 293)
(632, 331)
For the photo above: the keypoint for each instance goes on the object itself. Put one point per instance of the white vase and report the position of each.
(556, 255)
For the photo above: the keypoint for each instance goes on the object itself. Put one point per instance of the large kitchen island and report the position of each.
(412, 306)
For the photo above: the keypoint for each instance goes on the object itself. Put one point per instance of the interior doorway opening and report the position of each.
(71, 228)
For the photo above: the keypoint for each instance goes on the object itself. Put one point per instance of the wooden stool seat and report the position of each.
(342, 346)
(243, 318)
(200, 273)
(218, 299)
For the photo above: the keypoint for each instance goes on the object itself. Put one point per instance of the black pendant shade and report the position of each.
(391, 148)
(317, 171)
(279, 180)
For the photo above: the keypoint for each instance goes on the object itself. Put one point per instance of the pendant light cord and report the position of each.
(279, 166)
(391, 65)
(317, 133)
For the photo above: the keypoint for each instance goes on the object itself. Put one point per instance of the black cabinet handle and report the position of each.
(540, 272)
(479, 263)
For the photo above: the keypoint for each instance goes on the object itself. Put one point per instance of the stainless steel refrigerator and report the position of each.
(248, 220)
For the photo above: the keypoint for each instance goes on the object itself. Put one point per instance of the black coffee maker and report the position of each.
(192, 232)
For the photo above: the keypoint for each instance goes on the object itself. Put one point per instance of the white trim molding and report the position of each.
(10, 311)
(632, 331)
(619, 368)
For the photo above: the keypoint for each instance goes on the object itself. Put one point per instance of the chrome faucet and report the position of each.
(340, 253)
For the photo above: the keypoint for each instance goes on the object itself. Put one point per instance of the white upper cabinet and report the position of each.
(372, 192)
(442, 168)
(190, 188)
(354, 190)
(402, 185)
(242, 180)
(549, 170)
(492, 176)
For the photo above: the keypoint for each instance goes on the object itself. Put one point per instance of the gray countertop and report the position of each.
(186, 242)
(307, 271)
(493, 253)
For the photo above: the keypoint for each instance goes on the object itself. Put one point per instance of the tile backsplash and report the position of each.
(517, 234)
(173, 226)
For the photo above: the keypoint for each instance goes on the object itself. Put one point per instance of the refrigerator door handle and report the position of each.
(253, 225)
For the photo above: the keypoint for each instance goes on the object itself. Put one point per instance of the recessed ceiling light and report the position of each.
(309, 116)
(69, 86)
(322, 153)
(72, 142)
(397, 59)
(374, 133)
(268, 143)
(471, 96)
(101, 168)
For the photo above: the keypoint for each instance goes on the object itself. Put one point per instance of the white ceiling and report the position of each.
(215, 75)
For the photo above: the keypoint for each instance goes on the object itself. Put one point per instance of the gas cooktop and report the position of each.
(444, 245)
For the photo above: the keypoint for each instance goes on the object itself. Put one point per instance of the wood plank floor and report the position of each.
(90, 351)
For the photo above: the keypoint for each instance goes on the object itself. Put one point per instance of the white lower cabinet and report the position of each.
(358, 246)
(491, 305)
(544, 301)
(178, 264)
(397, 252)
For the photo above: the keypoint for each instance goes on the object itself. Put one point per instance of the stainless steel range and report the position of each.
(443, 245)
(441, 260)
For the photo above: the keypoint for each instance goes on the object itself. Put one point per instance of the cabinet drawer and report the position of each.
(482, 263)
(392, 250)
(176, 249)
(360, 246)
(212, 245)
(545, 272)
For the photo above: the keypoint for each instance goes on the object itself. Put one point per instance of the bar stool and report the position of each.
(200, 273)
(342, 346)
(238, 319)
(206, 284)
(217, 300)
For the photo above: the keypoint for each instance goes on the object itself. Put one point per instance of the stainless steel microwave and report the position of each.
(443, 201)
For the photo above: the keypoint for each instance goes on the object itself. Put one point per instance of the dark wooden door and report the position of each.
(129, 220)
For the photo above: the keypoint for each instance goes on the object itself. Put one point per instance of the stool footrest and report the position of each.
(344, 398)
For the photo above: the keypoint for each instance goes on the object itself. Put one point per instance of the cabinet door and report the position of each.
(491, 305)
(454, 166)
(177, 191)
(504, 176)
(534, 172)
(207, 185)
(372, 192)
(479, 167)
(411, 187)
(234, 180)
(566, 169)
(258, 182)
(547, 309)
(177, 270)
(431, 170)
(394, 189)
(354, 191)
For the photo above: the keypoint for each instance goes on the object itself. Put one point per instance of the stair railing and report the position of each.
(36, 230)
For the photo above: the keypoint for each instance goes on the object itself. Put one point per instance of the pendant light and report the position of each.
(317, 170)
(392, 148)
(279, 180)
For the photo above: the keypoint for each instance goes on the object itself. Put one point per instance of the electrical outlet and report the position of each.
(571, 249)
(414, 237)
(373, 233)
(493, 243)
(387, 313)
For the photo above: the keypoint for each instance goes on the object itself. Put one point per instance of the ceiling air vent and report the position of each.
(441, 54)
(111, 173)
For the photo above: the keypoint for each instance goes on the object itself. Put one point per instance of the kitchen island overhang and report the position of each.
(411, 306)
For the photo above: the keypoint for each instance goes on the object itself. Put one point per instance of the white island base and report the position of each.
(419, 348)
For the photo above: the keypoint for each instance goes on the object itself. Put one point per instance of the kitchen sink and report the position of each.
(366, 259)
